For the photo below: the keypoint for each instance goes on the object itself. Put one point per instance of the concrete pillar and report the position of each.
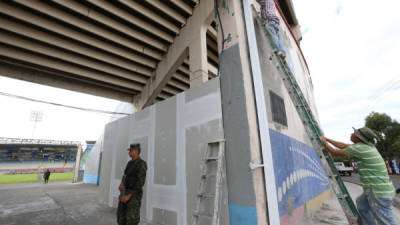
(77, 163)
(198, 58)
(247, 197)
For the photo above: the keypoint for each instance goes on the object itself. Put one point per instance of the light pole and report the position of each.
(36, 116)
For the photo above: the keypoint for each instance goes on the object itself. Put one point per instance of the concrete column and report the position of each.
(247, 198)
(77, 163)
(198, 58)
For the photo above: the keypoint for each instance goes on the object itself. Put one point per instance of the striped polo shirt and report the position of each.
(372, 169)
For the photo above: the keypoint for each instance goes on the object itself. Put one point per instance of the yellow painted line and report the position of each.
(316, 203)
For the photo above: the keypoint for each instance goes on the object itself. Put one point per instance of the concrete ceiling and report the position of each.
(105, 48)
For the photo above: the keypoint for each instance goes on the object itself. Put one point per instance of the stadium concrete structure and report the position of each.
(195, 72)
(19, 155)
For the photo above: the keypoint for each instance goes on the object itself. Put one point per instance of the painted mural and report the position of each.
(299, 174)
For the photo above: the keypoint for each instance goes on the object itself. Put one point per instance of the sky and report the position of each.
(58, 123)
(352, 48)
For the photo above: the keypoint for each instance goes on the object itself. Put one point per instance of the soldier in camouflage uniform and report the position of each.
(131, 188)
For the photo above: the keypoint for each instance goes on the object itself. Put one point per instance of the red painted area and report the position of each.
(295, 218)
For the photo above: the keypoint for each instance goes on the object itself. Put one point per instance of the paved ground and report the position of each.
(61, 203)
(331, 212)
(355, 178)
(64, 203)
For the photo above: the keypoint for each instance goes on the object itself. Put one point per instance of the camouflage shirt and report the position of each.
(135, 177)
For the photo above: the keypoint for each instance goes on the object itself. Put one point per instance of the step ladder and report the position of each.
(212, 169)
(314, 132)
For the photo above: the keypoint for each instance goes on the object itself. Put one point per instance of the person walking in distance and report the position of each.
(375, 204)
(46, 176)
(131, 188)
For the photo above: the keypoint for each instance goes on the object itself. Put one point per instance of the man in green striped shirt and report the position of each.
(376, 201)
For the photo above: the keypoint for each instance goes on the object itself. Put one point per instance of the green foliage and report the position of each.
(32, 177)
(388, 131)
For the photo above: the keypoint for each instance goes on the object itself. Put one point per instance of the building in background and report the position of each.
(32, 155)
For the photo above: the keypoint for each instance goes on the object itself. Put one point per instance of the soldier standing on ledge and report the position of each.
(131, 188)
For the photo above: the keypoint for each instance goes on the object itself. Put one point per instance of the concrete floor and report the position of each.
(331, 212)
(61, 203)
(64, 203)
(355, 178)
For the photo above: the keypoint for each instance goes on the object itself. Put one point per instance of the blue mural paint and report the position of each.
(242, 215)
(299, 174)
(91, 179)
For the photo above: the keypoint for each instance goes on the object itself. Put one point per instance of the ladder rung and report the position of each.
(203, 215)
(211, 158)
(206, 195)
(343, 196)
(204, 176)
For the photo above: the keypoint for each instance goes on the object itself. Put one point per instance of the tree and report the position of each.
(388, 132)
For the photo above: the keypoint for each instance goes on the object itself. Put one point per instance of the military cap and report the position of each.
(134, 146)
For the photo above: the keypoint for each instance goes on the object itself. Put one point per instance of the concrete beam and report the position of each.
(212, 32)
(107, 6)
(212, 56)
(212, 44)
(182, 78)
(46, 24)
(176, 54)
(157, 83)
(75, 21)
(38, 48)
(76, 47)
(213, 70)
(183, 6)
(151, 15)
(50, 79)
(167, 10)
(31, 58)
(198, 58)
(101, 18)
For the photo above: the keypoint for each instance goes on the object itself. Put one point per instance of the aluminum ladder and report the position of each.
(208, 171)
(314, 132)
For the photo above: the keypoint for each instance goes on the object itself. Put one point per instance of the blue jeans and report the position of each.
(372, 208)
(273, 29)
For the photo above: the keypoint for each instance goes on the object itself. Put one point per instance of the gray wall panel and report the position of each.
(172, 156)
(165, 146)
(240, 183)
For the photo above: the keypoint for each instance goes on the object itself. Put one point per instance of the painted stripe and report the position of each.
(381, 184)
(384, 177)
(362, 152)
(384, 192)
(242, 215)
(374, 164)
(374, 157)
(382, 171)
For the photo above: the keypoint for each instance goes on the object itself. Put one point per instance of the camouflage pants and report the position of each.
(129, 213)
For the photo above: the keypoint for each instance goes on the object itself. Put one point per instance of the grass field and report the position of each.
(32, 177)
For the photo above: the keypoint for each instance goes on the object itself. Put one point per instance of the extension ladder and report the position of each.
(212, 165)
(314, 132)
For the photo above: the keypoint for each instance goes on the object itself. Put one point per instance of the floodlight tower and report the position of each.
(36, 116)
